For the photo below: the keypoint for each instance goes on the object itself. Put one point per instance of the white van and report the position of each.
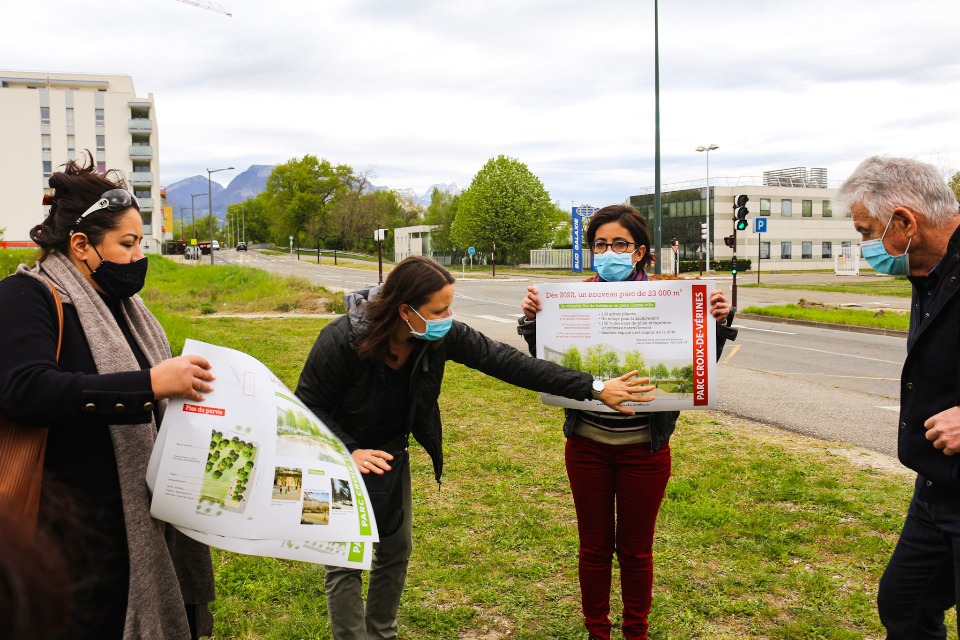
(216, 245)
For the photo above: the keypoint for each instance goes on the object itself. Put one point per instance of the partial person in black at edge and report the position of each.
(135, 577)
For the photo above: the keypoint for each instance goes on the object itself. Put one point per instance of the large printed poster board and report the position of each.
(252, 470)
(663, 329)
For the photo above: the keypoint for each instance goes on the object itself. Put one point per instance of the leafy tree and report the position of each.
(601, 361)
(571, 359)
(660, 372)
(634, 360)
(954, 186)
(441, 213)
(506, 204)
(676, 373)
(298, 192)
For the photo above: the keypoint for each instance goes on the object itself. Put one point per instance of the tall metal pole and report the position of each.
(707, 212)
(193, 217)
(656, 153)
(210, 173)
(243, 223)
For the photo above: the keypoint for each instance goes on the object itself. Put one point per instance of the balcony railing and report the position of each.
(140, 124)
(140, 177)
(141, 151)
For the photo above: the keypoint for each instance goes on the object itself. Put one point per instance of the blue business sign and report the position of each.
(576, 233)
(759, 225)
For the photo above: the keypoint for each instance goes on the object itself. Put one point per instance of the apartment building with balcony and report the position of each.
(49, 118)
(804, 232)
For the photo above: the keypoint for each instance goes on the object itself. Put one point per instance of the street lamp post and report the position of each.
(210, 172)
(193, 217)
(243, 224)
(707, 212)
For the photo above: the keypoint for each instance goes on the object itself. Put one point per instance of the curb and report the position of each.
(825, 325)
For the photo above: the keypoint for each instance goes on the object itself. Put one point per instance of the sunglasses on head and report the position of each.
(113, 200)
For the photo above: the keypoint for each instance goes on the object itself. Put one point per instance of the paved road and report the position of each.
(834, 385)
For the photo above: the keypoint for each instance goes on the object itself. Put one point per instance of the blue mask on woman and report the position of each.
(613, 267)
(880, 259)
(436, 329)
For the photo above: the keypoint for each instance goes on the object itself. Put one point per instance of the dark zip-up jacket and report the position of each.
(930, 381)
(345, 391)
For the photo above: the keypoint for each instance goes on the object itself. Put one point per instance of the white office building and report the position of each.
(49, 118)
(803, 232)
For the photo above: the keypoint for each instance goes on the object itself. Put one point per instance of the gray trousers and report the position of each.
(349, 619)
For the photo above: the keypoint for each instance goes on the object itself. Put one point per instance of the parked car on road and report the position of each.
(216, 245)
(191, 252)
(241, 246)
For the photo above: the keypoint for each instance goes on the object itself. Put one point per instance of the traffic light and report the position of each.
(703, 230)
(728, 240)
(733, 266)
(740, 211)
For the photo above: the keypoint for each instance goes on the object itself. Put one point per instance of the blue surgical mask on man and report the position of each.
(613, 267)
(436, 329)
(880, 259)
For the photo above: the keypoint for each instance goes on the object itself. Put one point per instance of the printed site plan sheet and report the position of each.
(252, 470)
(662, 328)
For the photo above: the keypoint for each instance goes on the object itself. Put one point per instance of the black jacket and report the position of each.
(662, 423)
(930, 381)
(345, 391)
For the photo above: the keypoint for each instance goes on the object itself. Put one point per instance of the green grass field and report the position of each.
(898, 286)
(762, 534)
(856, 317)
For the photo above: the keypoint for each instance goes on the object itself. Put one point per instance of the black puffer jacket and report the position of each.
(345, 391)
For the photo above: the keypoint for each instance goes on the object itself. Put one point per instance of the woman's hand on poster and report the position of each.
(372, 460)
(531, 303)
(181, 377)
(626, 388)
(719, 306)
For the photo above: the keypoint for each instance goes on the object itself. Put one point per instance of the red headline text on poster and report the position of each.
(207, 411)
(701, 361)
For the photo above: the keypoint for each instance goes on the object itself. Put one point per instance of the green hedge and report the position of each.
(743, 264)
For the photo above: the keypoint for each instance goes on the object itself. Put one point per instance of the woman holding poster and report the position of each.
(95, 379)
(373, 377)
(618, 465)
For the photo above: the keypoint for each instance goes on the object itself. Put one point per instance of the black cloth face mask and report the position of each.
(119, 280)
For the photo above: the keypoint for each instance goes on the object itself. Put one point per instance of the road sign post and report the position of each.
(760, 226)
(576, 234)
(471, 251)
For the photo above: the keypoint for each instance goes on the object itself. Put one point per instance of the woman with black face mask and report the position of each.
(101, 401)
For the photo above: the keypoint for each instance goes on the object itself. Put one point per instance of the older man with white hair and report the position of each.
(909, 221)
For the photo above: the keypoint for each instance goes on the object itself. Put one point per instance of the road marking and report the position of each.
(730, 355)
(891, 408)
(786, 333)
(505, 304)
(827, 375)
(498, 319)
(832, 353)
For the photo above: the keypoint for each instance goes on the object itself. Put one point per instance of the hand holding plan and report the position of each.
(625, 389)
(181, 377)
(719, 305)
(371, 460)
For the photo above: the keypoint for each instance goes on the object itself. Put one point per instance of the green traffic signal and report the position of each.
(741, 225)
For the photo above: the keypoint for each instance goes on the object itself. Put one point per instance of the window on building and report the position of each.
(806, 250)
(827, 211)
(101, 166)
(764, 250)
(98, 114)
(845, 244)
(827, 250)
(71, 144)
(785, 253)
(47, 167)
(101, 144)
(806, 208)
(142, 193)
(141, 168)
(786, 208)
(70, 117)
(764, 206)
(147, 226)
(45, 142)
(44, 115)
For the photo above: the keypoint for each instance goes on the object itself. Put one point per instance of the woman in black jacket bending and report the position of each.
(374, 376)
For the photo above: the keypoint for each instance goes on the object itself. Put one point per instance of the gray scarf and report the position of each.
(158, 554)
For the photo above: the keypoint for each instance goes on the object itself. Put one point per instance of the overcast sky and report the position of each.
(423, 91)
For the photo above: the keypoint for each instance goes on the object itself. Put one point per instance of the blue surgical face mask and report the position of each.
(436, 329)
(880, 259)
(613, 267)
